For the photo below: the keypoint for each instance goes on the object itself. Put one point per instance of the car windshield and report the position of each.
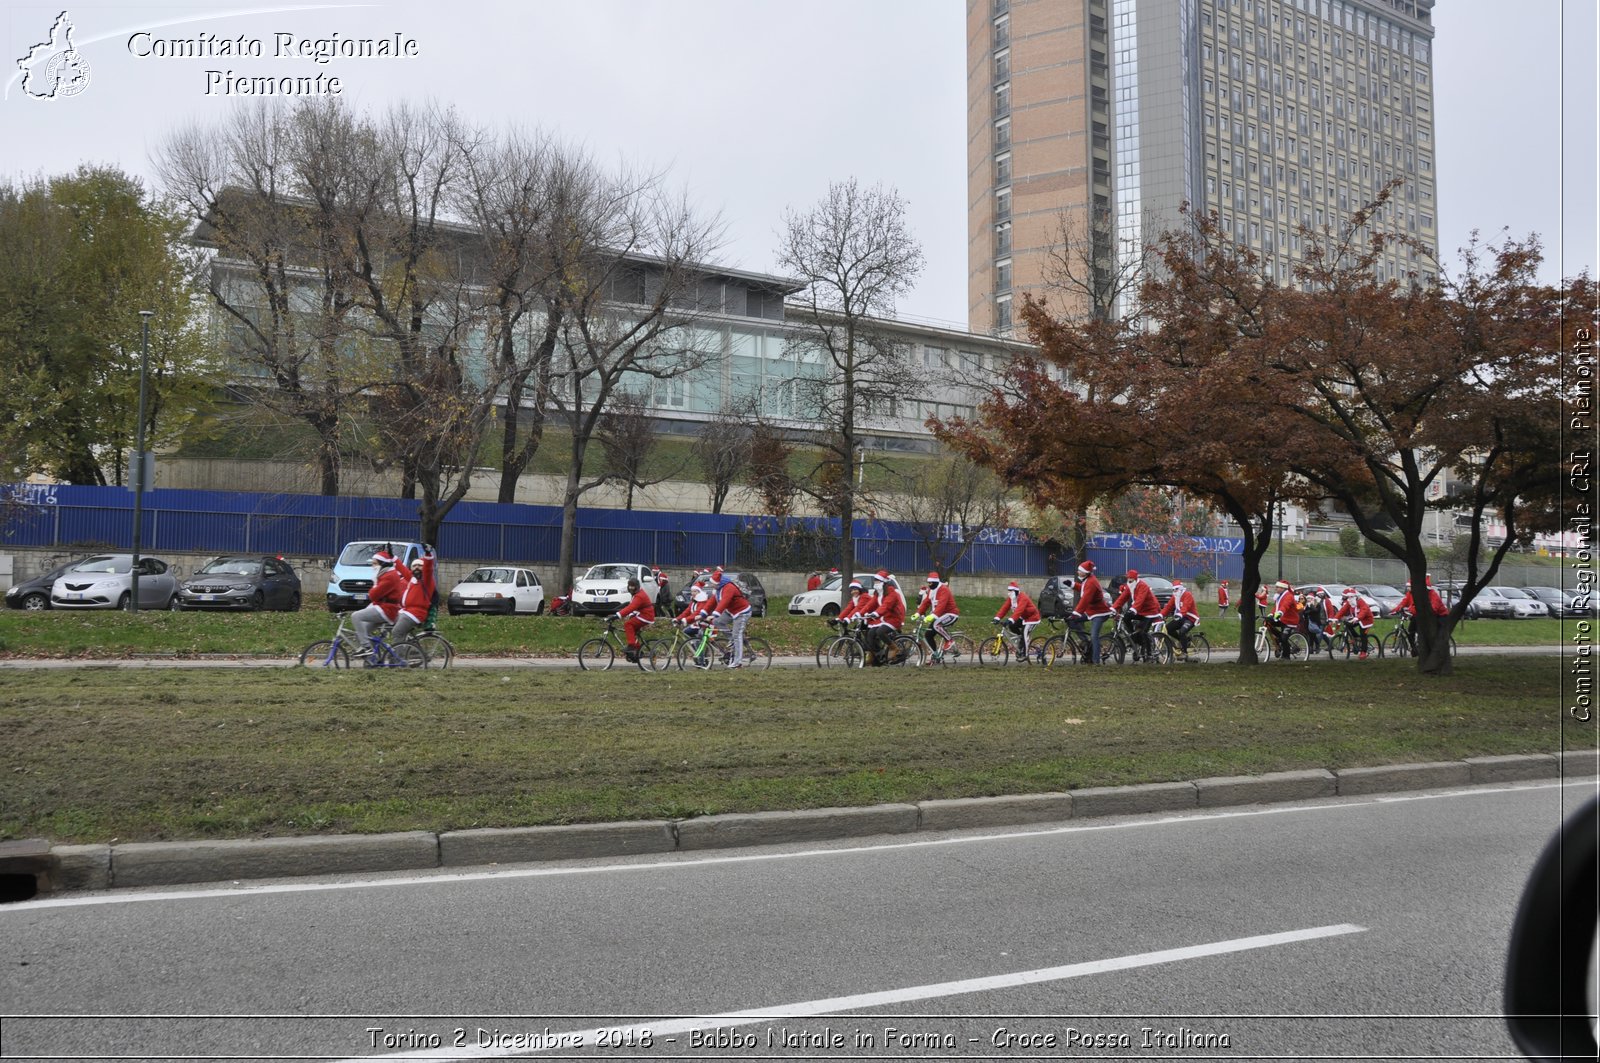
(616, 572)
(492, 575)
(104, 564)
(1381, 590)
(359, 553)
(1512, 592)
(231, 566)
(1547, 592)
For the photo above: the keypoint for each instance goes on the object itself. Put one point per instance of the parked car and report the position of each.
(752, 590)
(1057, 598)
(1557, 601)
(1451, 591)
(1491, 604)
(250, 581)
(1524, 606)
(1386, 596)
(497, 589)
(34, 594)
(1160, 586)
(825, 600)
(105, 581)
(604, 588)
(351, 579)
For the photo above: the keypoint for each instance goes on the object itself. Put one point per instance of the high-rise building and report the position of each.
(1090, 122)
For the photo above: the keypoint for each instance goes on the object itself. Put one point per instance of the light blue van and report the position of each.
(351, 577)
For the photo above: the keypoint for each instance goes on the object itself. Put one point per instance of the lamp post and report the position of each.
(138, 457)
(1280, 529)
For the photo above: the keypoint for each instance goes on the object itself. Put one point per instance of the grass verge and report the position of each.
(96, 755)
(107, 634)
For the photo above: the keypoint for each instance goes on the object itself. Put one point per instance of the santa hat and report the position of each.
(1012, 588)
(1282, 584)
(1177, 581)
(1349, 592)
(1086, 568)
(1133, 573)
(384, 558)
(933, 578)
(855, 585)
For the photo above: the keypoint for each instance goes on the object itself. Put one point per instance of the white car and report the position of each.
(498, 589)
(105, 581)
(1524, 606)
(604, 588)
(825, 600)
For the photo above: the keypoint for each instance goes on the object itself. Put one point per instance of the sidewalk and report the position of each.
(99, 867)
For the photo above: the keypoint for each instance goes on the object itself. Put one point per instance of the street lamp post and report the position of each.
(1280, 529)
(138, 457)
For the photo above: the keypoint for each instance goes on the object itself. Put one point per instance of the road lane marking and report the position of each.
(659, 1031)
(437, 877)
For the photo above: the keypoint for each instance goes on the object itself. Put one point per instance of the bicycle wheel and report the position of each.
(325, 654)
(1055, 649)
(1199, 648)
(825, 651)
(994, 651)
(1298, 649)
(596, 655)
(757, 653)
(1117, 648)
(1395, 645)
(962, 650)
(710, 658)
(1263, 646)
(849, 653)
(440, 652)
(902, 651)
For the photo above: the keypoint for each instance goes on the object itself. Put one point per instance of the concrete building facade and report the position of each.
(1095, 120)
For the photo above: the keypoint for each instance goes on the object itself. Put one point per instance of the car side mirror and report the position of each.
(1548, 994)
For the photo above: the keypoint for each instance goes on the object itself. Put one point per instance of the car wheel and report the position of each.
(294, 603)
(173, 605)
(258, 602)
(35, 601)
(122, 603)
(539, 611)
(830, 610)
(452, 610)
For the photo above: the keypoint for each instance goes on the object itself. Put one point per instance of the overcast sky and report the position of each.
(756, 105)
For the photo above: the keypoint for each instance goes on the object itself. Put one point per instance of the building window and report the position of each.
(1002, 312)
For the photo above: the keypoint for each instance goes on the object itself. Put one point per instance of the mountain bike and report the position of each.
(1290, 645)
(1006, 645)
(599, 654)
(1348, 642)
(714, 649)
(955, 648)
(1168, 648)
(1398, 642)
(336, 652)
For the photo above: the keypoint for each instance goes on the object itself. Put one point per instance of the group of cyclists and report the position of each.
(1315, 615)
(403, 597)
(714, 598)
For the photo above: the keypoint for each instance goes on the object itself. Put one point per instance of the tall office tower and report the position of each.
(1094, 120)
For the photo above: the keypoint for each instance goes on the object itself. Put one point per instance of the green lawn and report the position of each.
(96, 754)
(103, 634)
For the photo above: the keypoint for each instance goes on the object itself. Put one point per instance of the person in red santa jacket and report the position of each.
(1356, 616)
(1023, 616)
(1091, 606)
(639, 612)
(940, 604)
(885, 620)
(393, 599)
(1143, 613)
(1285, 617)
(1182, 615)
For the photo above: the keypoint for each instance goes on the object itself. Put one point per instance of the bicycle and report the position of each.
(1293, 646)
(829, 650)
(332, 653)
(599, 654)
(439, 648)
(1168, 648)
(1007, 644)
(1348, 641)
(957, 649)
(1397, 643)
(1075, 645)
(714, 649)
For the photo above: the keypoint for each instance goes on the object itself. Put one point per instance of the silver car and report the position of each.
(105, 581)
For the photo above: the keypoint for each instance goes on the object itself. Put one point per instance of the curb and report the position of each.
(99, 867)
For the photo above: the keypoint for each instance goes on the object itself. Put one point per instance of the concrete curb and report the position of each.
(95, 867)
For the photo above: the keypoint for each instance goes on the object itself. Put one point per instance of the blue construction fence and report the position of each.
(65, 517)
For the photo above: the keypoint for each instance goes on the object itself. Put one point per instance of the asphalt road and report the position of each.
(1356, 927)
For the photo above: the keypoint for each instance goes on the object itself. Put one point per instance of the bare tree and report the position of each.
(948, 505)
(856, 256)
(629, 302)
(722, 449)
(627, 436)
(271, 191)
(770, 453)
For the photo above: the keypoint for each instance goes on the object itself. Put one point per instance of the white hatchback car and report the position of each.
(498, 589)
(604, 588)
(825, 600)
(105, 581)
